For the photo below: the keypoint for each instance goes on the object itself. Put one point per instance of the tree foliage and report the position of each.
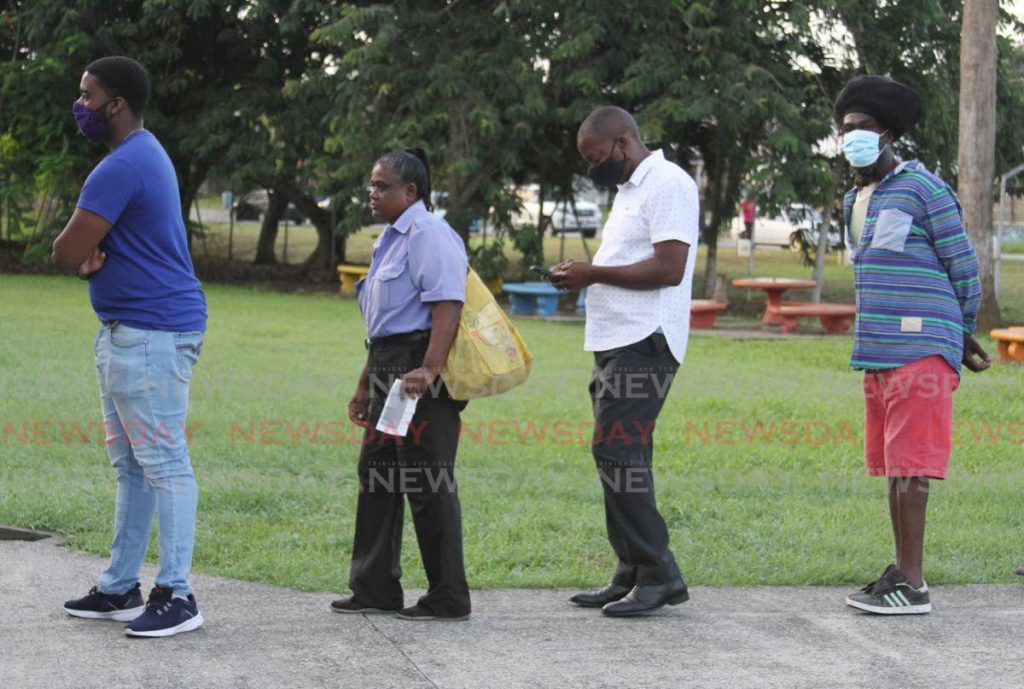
(302, 96)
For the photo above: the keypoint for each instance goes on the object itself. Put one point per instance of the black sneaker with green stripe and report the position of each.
(892, 594)
(869, 587)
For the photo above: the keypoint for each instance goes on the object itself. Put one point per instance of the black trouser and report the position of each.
(420, 467)
(628, 389)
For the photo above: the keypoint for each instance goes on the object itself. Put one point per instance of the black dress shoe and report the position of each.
(644, 599)
(600, 597)
(350, 605)
(420, 612)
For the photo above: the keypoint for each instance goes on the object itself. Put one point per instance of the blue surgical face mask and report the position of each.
(861, 148)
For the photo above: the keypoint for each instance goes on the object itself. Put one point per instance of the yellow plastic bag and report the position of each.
(488, 356)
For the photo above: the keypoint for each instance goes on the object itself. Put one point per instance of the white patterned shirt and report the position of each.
(657, 203)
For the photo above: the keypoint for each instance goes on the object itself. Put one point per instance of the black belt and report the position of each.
(400, 338)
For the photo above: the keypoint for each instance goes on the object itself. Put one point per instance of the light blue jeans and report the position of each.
(144, 377)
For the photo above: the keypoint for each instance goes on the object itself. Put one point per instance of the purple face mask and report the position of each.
(93, 126)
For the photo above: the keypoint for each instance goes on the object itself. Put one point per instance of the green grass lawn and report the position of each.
(278, 499)
(210, 202)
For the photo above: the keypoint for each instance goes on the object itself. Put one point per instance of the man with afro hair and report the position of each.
(916, 279)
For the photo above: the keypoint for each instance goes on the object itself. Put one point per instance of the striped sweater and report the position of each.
(915, 272)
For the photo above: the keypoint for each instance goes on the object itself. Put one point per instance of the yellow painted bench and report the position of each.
(348, 274)
(1011, 344)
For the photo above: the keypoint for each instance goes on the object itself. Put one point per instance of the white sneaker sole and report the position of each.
(186, 626)
(126, 615)
(908, 610)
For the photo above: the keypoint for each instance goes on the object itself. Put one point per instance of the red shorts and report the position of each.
(908, 419)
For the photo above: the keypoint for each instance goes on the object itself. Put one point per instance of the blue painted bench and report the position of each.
(532, 298)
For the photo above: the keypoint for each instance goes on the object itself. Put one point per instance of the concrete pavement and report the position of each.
(260, 636)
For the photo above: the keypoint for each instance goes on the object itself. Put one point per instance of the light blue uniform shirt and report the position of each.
(416, 261)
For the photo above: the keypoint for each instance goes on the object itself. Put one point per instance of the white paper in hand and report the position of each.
(397, 413)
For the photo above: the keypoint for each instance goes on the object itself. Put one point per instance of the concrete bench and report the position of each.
(835, 318)
(532, 298)
(349, 274)
(1011, 344)
(703, 313)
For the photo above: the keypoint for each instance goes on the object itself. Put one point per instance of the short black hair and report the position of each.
(122, 77)
(608, 122)
(411, 167)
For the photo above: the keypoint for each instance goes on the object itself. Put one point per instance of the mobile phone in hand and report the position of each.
(540, 270)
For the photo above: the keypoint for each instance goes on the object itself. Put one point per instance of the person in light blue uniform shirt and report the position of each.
(411, 301)
(127, 238)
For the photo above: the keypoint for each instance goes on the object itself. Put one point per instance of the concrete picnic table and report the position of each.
(773, 287)
(703, 313)
(529, 298)
(1010, 342)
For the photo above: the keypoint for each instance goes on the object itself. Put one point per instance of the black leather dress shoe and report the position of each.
(420, 612)
(644, 599)
(600, 597)
(350, 605)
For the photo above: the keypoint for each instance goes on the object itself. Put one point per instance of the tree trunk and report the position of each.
(321, 255)
(976, 156)
(723, 196)
(709, 232)
(321, 219)
(460, 189)
(276, 206)
(710, 261)
(823, 232)
(192, 177)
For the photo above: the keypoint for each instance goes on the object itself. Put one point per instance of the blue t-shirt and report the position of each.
(147, 281)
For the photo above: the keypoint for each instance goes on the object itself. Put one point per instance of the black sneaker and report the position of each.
(868, 588)
(892, 595)
(420, 612)
(166, 615)
(121, 607)
(350, 606)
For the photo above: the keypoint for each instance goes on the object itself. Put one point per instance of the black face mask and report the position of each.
(609, 173)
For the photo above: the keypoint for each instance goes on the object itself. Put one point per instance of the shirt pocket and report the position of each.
(626, 237)
(891, 229)
(629, 218)
(393, 285)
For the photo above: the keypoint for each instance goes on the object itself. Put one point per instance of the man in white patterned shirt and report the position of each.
(638, 306)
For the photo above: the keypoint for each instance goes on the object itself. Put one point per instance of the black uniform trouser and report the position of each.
(628, 389)
(420, 467)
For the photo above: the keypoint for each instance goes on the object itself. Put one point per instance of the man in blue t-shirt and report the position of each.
(127, 238)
